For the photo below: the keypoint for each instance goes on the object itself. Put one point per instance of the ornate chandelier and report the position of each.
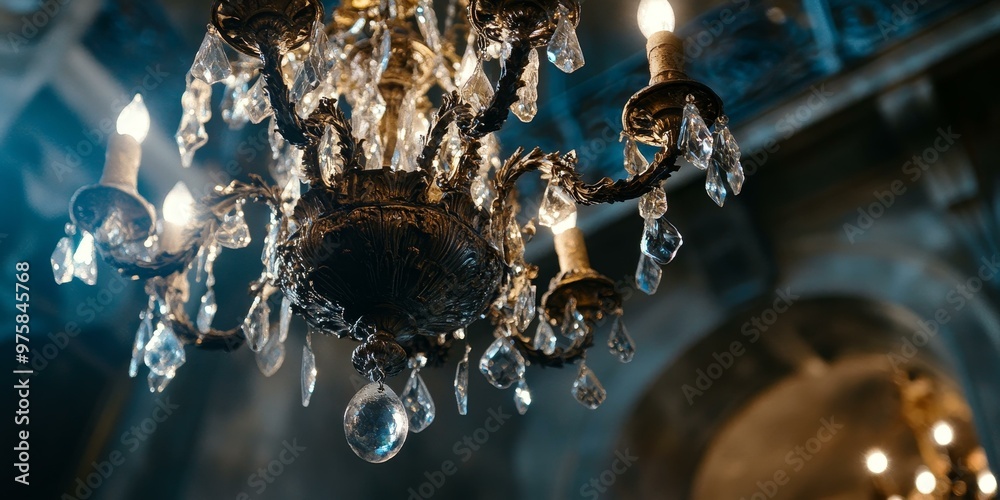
(397, 227)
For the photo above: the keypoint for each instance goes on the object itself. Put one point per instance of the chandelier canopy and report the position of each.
(394, 218)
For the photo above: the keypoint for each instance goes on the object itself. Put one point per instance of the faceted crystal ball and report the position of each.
(375, 423)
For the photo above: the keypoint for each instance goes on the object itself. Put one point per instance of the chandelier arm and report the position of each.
(560, 357)
(452, 109)
(289, 124)
(212, 340)
(608, 191)
(328, 113)
(493, 117)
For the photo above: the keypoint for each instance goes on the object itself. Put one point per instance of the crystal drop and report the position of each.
(62, 260)
(210, 63)
(330, 162)
(635, 162)
(526, 106)
(190, 136)
(233, 232)
(257, 105)
(206, 312)
(522, 397)
(142, 336)
(269, 255)
(524, 309)
(271, 356)
(502, 364)
(587, 389)
(726, 155)
(275, 139)
(653, 204)
(284, 318)
(620, 343)
(564, 48)
(477, 91)
(418, 403)
(380, 58)
(427, 22)
(375, 423)
(462, 383)
(661, 240)
(85, 261)
(305, 81)
(545, 337)
(695, 138)
(470, 61)
(647, 275)
(713, 184)
(157, 382)
(290, 196)
(164, 351)
(197, 100)
(318, 50)
(557, 205)
(308, 373)
(257, 324)
(574, 326)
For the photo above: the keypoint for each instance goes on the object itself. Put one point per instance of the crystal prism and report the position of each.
(726, 155)
(526, 106)
(284, 318)
(330, 162)
(164, 353)
(257, 324)
(545, 337)
(257, 106)
(661, 240)
(428, 25)
(417, 401)
(210, 63)
(574, 326)
(233, 232)
(462, 382)
(190, 136)
(62, 260)
(714, 184)
(375, 423)
(85, 261)
(477, 91)
(524, 308)
(635, 162)
(647, 275)
(587, 389)
(620, 343)
(142, 336)
(271, 356)
(557, 205)
(502, 364)
(522, 397)
(653, 204)
(157, 382)
(308, 373)
(695, 138)
(564, 48)
(206, 311)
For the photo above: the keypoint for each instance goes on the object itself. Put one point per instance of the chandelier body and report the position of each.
(397, 227)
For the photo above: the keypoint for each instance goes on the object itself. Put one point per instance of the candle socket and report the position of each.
(572, 250)
(121, 164)
(665, 52)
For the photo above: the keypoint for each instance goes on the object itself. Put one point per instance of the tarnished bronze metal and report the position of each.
(530, 21)
(246, 25)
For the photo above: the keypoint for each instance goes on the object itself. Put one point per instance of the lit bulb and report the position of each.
(876, 461)
(987, 482)
(178, 206)
(943, 433)
(566, 224)
(925, 481)
(895, 497)
(134, 119)
(655, 16)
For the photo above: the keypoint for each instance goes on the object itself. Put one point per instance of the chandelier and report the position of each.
(397, 227)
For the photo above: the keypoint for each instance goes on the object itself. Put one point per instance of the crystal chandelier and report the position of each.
(397, 227)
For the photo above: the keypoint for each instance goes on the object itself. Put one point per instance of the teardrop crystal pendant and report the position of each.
(647, 275)
(726, 155)
(713, 184)
(477, 91)
(308, 372)
(462, 382)
(418, 402)
(257, 106)
(557, 205)
(564, 48)
(142, 336)
(502, 364)
(271, 356)
(257, 324)
(233, 232)
(522, 397)
(574, 326)
(206, 311)
(62, 260)
(375, 423)
(284, 318)
(164, 353)
(653, 204)
(587, 389)
(545, 337)
(210, 63)
(85, 261)
(661, 240)
(621, 344)
(526, 106)
(695, 138)
(157, 382)
(635, 162)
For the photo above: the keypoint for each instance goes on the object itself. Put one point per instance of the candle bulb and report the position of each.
(178, 210)
(121, 165)
(664, 50)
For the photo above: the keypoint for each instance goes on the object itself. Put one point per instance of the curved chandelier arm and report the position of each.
(560, 357)
(212, 340)
(288, 121)
(328, 114)
(452, 110)
(492, 117)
